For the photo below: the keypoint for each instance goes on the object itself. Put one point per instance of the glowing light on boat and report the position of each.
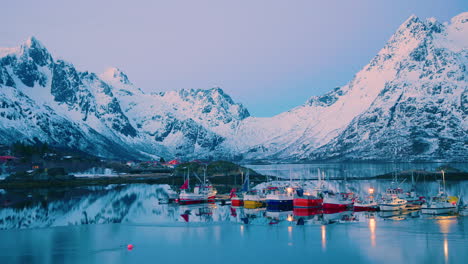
(371, 190)
(290, 218)
(289, 189)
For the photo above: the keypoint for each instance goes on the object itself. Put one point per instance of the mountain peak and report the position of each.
(115, 74)
(33, 42)
(460, 18)
(37, 51)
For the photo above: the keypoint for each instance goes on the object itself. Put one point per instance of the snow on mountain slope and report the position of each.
(52, 102)
(425, 59)
(421, 114)
(181, 120)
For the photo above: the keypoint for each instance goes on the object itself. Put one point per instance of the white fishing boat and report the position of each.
(392, 203)
(203, 193)
(366, 204)
(441, 203)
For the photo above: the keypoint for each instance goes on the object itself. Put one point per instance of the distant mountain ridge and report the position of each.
(408, 103)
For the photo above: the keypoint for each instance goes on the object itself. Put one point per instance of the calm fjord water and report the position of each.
(95, 225)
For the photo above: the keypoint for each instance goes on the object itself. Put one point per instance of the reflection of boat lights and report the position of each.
(290, 218)
(242, 230)
(306, 193)
(446, 249)
(324, 237)
(371, 190)
(372, 231)
(444, 224)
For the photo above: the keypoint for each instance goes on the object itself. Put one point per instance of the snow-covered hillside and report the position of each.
(409, 102)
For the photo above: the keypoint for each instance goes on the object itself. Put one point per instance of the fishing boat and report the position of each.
(368, 204)
(280, 199)
(441, 203)
(306, 200)
(337, 201)
(392, 203)
(309, 199)
(202, 193)
(235, 199)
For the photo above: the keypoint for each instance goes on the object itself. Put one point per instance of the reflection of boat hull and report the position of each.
(306, 211)
(463, 212)
(438, 211)
(194, 198)
(249, 204)
(332, 216)
(337, 206)
(307, 202)
(236, 201)
(196, 201)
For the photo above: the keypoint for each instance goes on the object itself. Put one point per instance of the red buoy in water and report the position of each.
(130, 247)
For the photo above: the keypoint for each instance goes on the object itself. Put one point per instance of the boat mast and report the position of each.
(204, 175)
(319, 178)
(443, 179)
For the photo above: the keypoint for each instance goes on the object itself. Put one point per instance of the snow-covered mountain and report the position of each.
(409, 102)
(42, 99)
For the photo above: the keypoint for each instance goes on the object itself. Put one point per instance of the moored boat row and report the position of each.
(394, 199)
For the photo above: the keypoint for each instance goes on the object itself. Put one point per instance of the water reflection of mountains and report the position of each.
(147, 205)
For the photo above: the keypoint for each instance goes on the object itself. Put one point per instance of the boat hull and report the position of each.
(195, 201)
(307, 202)
(390, 207)
(279, 205)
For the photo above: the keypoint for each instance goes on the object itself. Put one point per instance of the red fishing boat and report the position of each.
(338, 201)
(306, 200)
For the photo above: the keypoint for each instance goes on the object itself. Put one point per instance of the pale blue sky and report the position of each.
(269, 55)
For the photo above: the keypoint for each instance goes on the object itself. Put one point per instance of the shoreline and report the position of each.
(224, 183)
